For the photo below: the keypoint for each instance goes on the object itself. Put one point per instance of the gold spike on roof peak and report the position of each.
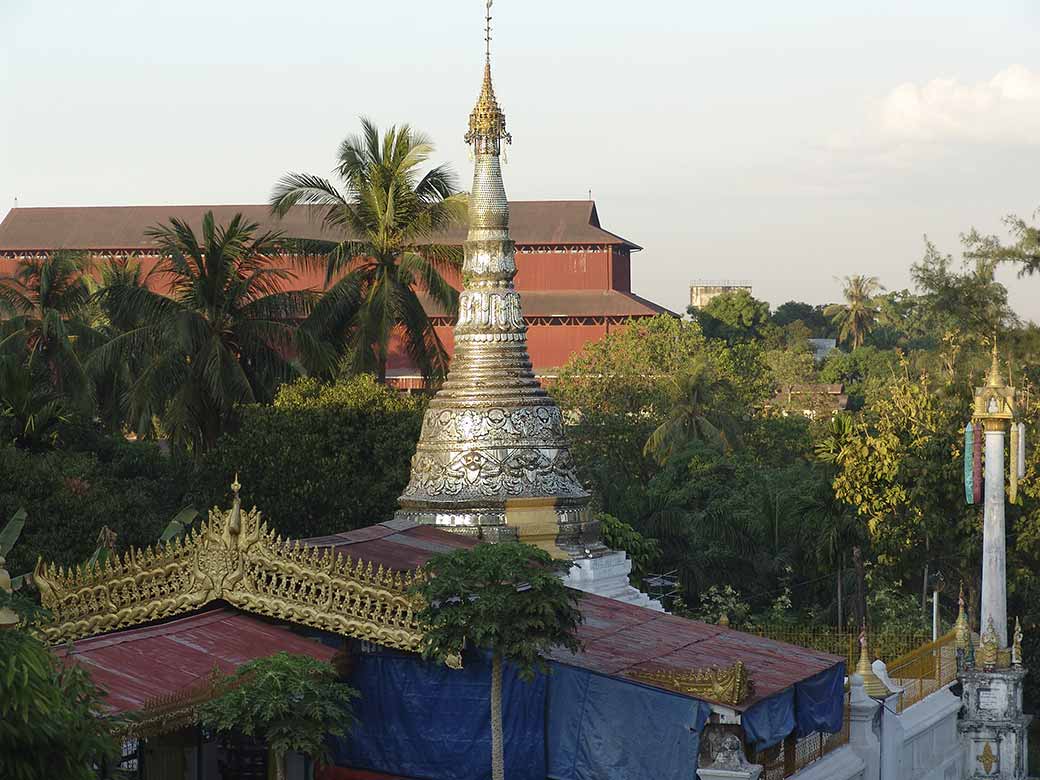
(872, 684)
(995, 379)
(487, 123)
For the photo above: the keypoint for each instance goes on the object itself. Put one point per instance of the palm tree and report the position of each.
(387, 215)
(222, 337)
(695, 414)
(858, 316)
(43, 303)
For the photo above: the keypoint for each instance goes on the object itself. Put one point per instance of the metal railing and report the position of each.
(925, 670)
(883, 644)
(794, 754)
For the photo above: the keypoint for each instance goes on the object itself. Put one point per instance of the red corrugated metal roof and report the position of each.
(621, 638)
(138, 664)
(123, 227)
(397, 545)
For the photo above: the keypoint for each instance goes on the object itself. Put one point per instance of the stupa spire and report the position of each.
(492, 460)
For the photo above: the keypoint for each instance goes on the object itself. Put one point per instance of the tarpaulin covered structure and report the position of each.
(421, 720)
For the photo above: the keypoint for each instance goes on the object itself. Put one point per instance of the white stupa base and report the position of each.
(607, 575)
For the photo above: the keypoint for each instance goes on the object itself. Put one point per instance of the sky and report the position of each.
(789, 144)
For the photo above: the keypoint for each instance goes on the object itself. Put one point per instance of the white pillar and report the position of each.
(863, 737)
(994, 567)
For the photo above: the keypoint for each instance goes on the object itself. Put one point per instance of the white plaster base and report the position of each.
(607, 575)
(993, 717)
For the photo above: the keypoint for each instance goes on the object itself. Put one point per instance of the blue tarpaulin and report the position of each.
(600, 727)
(819, 702)
(423, 720)
(770, 720)
(815, 704)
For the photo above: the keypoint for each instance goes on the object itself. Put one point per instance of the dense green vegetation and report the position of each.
(712, 460)
(692, 434)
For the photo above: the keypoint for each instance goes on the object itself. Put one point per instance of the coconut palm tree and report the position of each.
(43, 305)
(695, 414)
(387, 215)
(222, 336)
(858, 316)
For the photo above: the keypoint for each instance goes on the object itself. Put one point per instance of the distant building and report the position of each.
(574, 275)
(822, 348)
(703, 291)
(815, 401)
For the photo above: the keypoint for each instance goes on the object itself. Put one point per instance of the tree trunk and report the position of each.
(498, 769)
(381, 367)
(278, 761)
(841, 605)
(861, 594)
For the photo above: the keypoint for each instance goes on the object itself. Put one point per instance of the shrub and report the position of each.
(323, 458)
(131, 487)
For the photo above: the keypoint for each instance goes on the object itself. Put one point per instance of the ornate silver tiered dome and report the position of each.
(492, 460)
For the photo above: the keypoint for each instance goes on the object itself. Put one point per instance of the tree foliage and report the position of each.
(219, 339)
(858, 315)
(322, 458)
(734, 316)
(387, 214)
(504, 598)
(51, 722)
(291, 702)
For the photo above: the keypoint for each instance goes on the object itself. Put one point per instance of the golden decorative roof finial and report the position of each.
(963, 631)
(235, 521)
(995, 378)
(872, 684)
(487, 123)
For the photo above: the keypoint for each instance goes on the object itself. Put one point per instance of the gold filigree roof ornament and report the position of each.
(872, 684)
(961, 628)
(487, 123)
(234, 557)
(730, 685)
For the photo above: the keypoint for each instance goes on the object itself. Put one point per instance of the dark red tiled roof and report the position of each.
(138, 664)
(532, 222)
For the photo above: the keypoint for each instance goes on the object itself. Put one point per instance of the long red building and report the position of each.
(575, 277)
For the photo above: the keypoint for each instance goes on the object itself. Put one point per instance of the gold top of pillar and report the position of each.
(487, 123)
(872, 684)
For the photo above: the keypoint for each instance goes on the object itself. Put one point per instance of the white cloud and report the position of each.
(1005, 110)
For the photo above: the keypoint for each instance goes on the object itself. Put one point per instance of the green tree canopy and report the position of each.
(503, 598)
(51, 722)
(222, 336)
(734, 317)
(388, 213)
(857, 317)
(291, 702)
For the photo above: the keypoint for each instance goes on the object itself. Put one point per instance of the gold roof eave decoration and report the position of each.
(236, 558)
(730, 685)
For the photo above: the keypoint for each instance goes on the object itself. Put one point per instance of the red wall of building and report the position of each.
(571, 270)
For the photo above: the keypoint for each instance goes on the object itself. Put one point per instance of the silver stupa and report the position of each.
(492, 460)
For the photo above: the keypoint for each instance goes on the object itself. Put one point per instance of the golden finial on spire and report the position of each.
(995, 378)
(235, 487)
(487, 123)
(961, 628)
(872, 684)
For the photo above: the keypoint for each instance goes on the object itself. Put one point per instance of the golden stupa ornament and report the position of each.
(872, 684)
(487, 123)
(492, 460)
(961, 628)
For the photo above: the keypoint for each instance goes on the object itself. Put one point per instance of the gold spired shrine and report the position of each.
(492, 460)
(993, 726)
